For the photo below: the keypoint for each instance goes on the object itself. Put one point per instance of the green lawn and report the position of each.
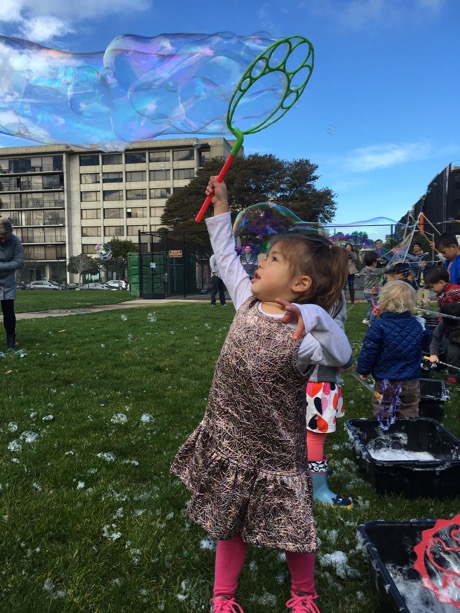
(28, 301)
(94, 408)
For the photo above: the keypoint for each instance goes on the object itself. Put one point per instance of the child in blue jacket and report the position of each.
(392, 351)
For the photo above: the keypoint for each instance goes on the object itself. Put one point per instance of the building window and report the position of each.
(160, 175)
(114, 230)
(9, 184)
(183, 173)
(90, 231)
(133, 230)
(51, 182)
(113, 194)
(89, 160)
(113, 213)
(137, 176)
(182, 155)
(90, 177)
(160, 156)
(136, 194)
(135, 158)
(160, 192)
(90, 196)
(91, 213)
(156, 211)
(112, 158)
(10, 201)
(29, 182)
(112, 177)
(137, 211)
(88, 249)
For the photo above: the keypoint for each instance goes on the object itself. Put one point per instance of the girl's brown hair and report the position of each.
(315, 256)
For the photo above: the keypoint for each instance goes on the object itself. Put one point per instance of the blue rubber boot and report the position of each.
(321, 491)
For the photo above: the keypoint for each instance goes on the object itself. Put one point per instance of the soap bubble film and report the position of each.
(257, 223)
(137, 89)
(103, 251)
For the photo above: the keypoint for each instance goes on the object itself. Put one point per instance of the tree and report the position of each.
(257, 178)
(118, 263)
(79, 264)
(121, 248)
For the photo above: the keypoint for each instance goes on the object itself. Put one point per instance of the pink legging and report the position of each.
(230, 557)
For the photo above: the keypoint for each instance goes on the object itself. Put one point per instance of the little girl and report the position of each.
(246, 463)
(392, 352)
(324, 407)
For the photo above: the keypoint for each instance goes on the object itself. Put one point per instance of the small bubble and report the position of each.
(123, 317)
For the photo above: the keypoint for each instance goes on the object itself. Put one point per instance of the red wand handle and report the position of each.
(220, 178)
(228, 162)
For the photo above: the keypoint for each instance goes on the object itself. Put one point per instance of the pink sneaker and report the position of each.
(302, 603)
(225, 604)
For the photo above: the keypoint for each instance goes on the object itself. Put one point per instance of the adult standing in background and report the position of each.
(381, 253)
(352, 258)
(217, 285)
(11, 259)
(249, 261)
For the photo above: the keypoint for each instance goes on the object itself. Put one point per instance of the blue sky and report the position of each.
(380, 114)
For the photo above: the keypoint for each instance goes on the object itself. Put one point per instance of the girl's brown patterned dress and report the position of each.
(246, 462)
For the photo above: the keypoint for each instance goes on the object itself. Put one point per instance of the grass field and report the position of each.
(94, 408)
(28, 301)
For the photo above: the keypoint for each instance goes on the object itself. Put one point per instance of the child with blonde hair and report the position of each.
(392, 352)
(246, 463)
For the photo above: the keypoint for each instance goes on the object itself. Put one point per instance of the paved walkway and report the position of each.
(99, 308)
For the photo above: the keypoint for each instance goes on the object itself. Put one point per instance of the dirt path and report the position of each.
(99, 308)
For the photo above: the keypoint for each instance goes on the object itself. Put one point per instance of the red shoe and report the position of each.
(451, 380)
(302, 603)
(225, 604)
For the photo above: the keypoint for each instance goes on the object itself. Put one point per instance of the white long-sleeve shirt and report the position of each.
(324, 343)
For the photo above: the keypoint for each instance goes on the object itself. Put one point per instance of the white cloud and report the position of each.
(365, 159)
(48, 19)
(43, 29)
(10, 11)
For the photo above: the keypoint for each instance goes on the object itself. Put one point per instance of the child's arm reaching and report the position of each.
(219, 227)
(323, 341)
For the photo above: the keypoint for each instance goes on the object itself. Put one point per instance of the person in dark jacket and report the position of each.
(392, 350)
(11, 259)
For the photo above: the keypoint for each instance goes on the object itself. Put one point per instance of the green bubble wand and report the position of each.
(265, 63)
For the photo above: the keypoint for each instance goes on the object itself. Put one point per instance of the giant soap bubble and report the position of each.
(257, 223)
(137, 89)
(103, 252)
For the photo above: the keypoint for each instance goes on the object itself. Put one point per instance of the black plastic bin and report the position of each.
(433, 394)
(437, 478)
(390, 547)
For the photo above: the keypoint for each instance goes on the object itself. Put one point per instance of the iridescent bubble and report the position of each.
(257, 223)
(103, 251)
(137, 89)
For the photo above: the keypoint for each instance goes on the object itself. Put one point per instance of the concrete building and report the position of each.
(63, 200)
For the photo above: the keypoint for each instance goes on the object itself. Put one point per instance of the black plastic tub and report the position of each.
(397, 585)
(433, 394)
(438, 477)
